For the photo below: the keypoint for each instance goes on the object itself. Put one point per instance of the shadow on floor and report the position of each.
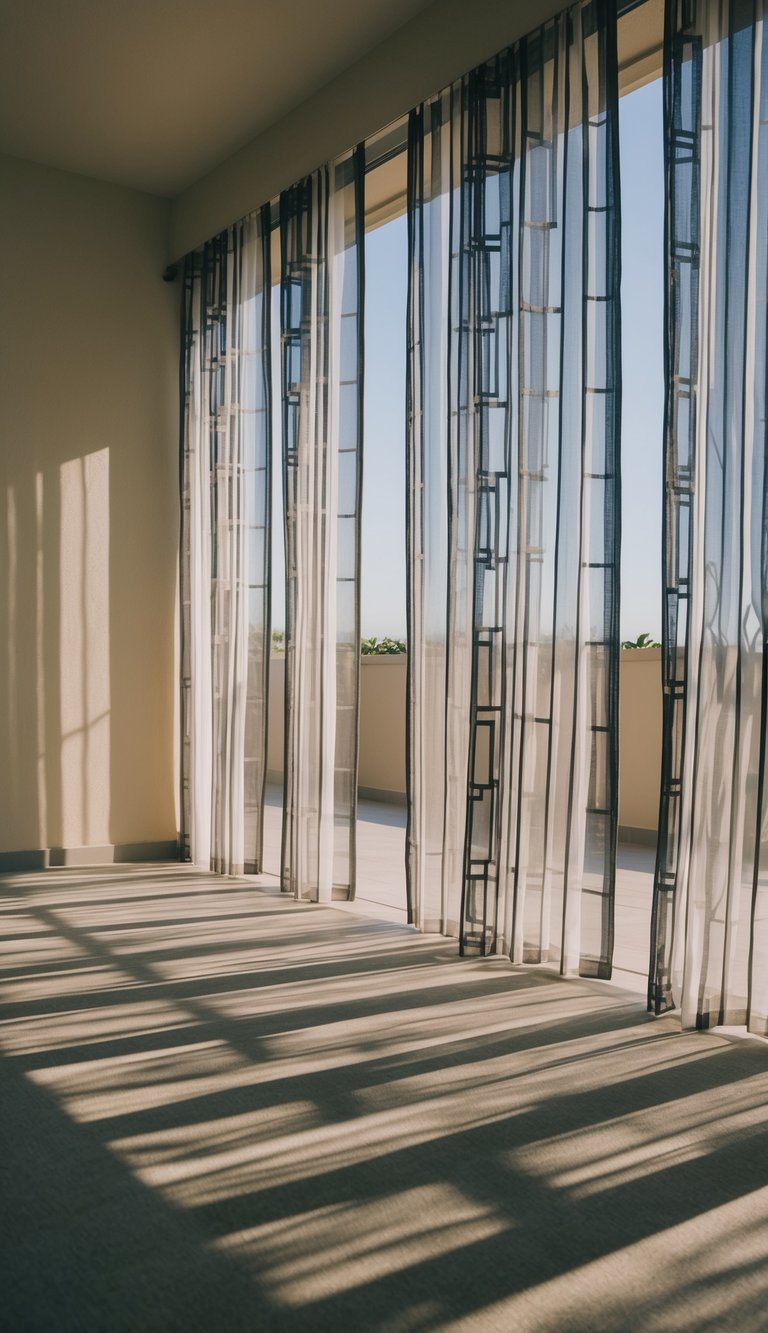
(222, 1110)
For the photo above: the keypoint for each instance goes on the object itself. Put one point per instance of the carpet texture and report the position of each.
(221, 1110)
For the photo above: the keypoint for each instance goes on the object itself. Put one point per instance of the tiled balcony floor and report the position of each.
(381, 881)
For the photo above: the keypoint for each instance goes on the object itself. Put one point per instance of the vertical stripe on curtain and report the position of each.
(225, 546)
(514, 499)
(709, 947)
(439, 518)
(322, 241)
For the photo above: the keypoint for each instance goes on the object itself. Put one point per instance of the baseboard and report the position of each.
(121, 853)
(383, 794)
(644, 837)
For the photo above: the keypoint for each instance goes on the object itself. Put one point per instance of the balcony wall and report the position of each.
(640, 739)
(382, 734)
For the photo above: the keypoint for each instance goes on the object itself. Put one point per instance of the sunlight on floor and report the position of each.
(301, 1117)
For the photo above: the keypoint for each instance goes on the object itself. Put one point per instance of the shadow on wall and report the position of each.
(88, 519)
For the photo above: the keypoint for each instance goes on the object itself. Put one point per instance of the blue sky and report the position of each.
(383, 525)
(642, 297)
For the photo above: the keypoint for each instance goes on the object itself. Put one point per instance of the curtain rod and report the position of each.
(388, 145)
(396, 140)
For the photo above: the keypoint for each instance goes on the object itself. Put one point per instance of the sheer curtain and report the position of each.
(709, 952)
(514, 500)
(225, 546)
(322, 242)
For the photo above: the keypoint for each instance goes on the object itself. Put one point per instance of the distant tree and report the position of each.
(381, 647)
(372, 647)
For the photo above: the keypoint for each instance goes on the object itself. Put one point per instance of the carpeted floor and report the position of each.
(224, 1111)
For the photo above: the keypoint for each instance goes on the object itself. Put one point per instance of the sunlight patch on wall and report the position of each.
(85, 660)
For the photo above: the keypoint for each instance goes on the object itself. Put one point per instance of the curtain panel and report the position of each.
(322, 243)
(225, 546)
(514, 499)
(709, 948)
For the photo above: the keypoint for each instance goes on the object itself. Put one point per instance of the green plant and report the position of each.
(642, 641)
(374, 647)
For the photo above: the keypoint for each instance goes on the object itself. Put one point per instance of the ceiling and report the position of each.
(154, 93)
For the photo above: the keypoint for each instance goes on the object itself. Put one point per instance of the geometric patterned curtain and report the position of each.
(322, 243)
(514, 499)
(709, 948)
(225, 546)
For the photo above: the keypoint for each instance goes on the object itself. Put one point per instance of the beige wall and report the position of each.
(640, 737)
(275, 716)
(88, 513)
(382, 723)
(382, 730)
